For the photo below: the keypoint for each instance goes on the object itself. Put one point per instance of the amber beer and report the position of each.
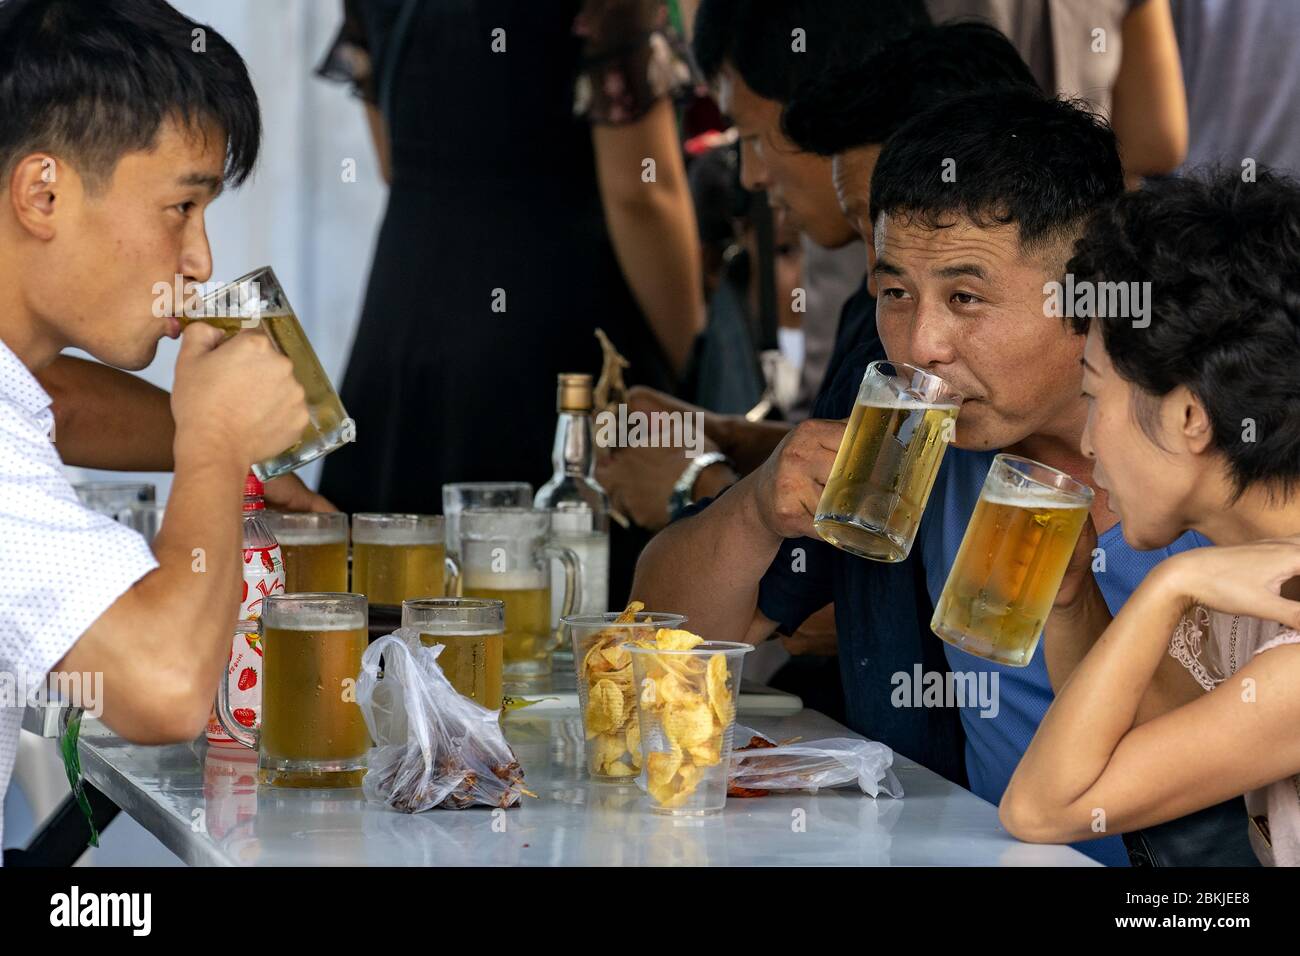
(528, 640)
(256, 301)
(505, 555)
(314, 546)
(471, 634)
(900, 426)
(396, 558)
(312, 732)
(1017, 546)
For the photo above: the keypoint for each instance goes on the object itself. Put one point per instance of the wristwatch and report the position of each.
(681, 493)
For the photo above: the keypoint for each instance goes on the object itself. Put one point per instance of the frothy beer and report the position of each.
(526, 593)
(886, 464)
(314, 547)
(398, 557)
(1011, 561)
(313, 732)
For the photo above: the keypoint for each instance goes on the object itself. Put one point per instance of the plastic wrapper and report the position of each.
(759, 765)
(434, 747)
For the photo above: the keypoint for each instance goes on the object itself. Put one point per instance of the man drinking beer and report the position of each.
(116, 136)
(975, 205)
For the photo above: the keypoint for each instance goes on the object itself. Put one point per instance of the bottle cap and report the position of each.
(252, 486)
(573, 393)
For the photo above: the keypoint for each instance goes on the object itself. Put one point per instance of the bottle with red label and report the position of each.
(263, 576)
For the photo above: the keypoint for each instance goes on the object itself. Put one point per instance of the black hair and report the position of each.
(94, 80)
(757, 37)
(1008, 156)
(866, 103)
(1223, 259)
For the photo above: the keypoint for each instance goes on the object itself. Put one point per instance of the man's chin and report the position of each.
(135, 361)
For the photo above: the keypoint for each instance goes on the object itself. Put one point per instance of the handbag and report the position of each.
(1215, 836)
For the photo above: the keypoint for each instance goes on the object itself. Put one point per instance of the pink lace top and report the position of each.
(1213, 647)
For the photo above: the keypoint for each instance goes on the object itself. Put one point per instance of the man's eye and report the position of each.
(893, 293)
(184, 207)
(964, 298)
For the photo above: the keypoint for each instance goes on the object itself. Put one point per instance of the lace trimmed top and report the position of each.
(1214, 646)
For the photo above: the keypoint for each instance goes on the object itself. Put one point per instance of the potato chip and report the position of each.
(633, 739)
(604, 708)
(616, 657)
(719, 695)
(709, 753)
(667, 639)
(672, 689)
(630, 612)
(688, 724)
(606, 749)
(619, 769)
(679, 790)
(661, 766)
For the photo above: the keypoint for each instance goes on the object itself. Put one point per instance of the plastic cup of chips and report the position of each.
(686, 701)
(606, 692)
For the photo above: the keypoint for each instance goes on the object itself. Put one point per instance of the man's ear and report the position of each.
(37, 182)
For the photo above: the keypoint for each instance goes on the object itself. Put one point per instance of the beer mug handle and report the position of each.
(451, 573)
(245, 736)
(572, 580)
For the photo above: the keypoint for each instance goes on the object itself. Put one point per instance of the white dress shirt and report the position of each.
(61, 566)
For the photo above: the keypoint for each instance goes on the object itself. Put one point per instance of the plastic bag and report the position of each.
(435, 748)
(814, 765)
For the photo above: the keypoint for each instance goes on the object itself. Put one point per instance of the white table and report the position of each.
(189, 797)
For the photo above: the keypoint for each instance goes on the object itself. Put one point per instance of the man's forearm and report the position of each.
(1071, 632)
(708, 566)
(107, 418)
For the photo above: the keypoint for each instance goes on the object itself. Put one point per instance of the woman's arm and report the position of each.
(652, 225)
(1092, 770)
(1149, 103)
(1080, 616)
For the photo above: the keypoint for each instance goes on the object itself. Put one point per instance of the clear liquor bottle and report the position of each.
(579, 506)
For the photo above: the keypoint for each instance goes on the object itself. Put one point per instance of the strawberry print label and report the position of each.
(263, 576)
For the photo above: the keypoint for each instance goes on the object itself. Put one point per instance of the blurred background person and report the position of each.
(537, 192)
(1238, 111)
(1120, 56)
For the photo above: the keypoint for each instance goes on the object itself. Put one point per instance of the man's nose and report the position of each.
(196, 256)
(753, 171)
(931, 343)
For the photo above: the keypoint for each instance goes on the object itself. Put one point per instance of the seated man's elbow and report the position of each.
(175, 715)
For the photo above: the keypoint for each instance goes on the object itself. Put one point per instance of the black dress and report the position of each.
(493, 202)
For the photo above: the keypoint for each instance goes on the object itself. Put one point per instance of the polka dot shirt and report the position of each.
(61, 566)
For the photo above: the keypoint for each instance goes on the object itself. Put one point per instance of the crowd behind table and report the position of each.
(964, 166)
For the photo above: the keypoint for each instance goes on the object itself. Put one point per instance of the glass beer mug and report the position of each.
(314, 545)
(901, 425)
(397, 557)
(256, 301)
(471, 632)
(460, 495)
(505, 555)
(1012, 560)
(313, 734)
